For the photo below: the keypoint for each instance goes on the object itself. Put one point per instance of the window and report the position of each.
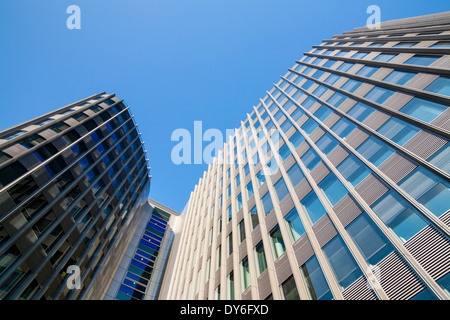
(375, 151)
(315, 281)
(343, 264)
(296, 139)
(289, 289)
(295, 174)
(332, 79)
(230, 214)
(230, 243)
(249, 190)
(367, 71)
(345, 66)
(396, 213)
(372, 243)
(32, 141)
(441, 158)
(322, 113)
(245, 274)
(440, 86)
(218, 256)
(399, 77)
(11, 172)
(423, 110)
(284, 152)
(310, 159)
(405, 44)
(353, 170)
(313, 207)
(398, 131)
(238, 202)
(422, 60)
(360, 111)
(351, 85)
(267, 203)
(281, 189)
(294, 225)
(254, 217)
(307, 84)
(336, 99)
(309, 126)
(277, 242)
(261, 262)
(428, 189)
(241, 231)
(343, 128)
(384, 57)
(261, 178)
(246, 170)
(379, 95)
(230, 286)
(326, 143)
(441, 44)
(333, 189)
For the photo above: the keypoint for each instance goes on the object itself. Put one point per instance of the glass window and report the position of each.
(423, 109)
(309, 126)
(281, 189)
(405, 44)
(261, 178)
(289, 289)
(345, 66)
(441, 44)
(428, 189)
(397, 214)
(315, 281)
(297, 114)
(342, 262)
(320, 90)
(238, 202)
(360, 111)
(310, 159)
(267, 203)
(336, 99)
(367, 71)
(353, 170)
(313, 207)
(249, 190)
(375, 151)
(218, 256)
(332, 78)
(440, 86)
(343, 128)
(261, 262)
(241, 231)
(245, 273)
(422, 60)
(294, 225)
(277, 242)
(399, 77)
(295, 174)
(379, 95)
(307, 84)
(296, 139)
(322, 113)
(254, 217)
(441, 158)
(329, 63)
(326, 143)
(351, 85)
(384, 57)
(333, 189)
(284, 152)
(398, 131)
(230, 286)
(372, 243)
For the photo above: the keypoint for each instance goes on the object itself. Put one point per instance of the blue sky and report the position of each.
(174, 62)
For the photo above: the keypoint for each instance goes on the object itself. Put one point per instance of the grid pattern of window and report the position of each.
(350, 201)
(69, 181)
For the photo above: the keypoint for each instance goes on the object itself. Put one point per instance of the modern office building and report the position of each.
(336, 185)
(141, 271)
(72, 186)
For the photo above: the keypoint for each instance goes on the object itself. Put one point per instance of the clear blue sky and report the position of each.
(173, 62)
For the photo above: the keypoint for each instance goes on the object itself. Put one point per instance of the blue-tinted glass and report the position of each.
(441, 158)
(422, 60)
(428, 189)
(444, 282)
(398, 215)
(398, 131)
(359, 55)
(261, 177)
(281, 189)
(342, 262)
(441, 44)
(353, 170)
(379, 95)
(375, 151)
(316, 283)
(336, 99)
(341, 53)
(249, 190)
(367, 71)
(322, 113)
(345, 66)
(399, 77)
(309, 126)
(441, 86)
(267, 203)
(333, 189)
(307, 84)
(372, 243)
(287, 124)
(284, 152)
(296, 139)
(405, 44)
(318, 74)
(423, 109)
(310, 159)
(385, 57)
(295, 174)
(295, 225)
(313, 207)
(360, 111)
(308, 102)
(326, 143)
(329, 63)
(425, 294)
(351, 85)
(320, 91)
(343, 128)
(297, 114)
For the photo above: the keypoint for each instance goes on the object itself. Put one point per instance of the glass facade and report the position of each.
(356, 183)
(70, 181)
